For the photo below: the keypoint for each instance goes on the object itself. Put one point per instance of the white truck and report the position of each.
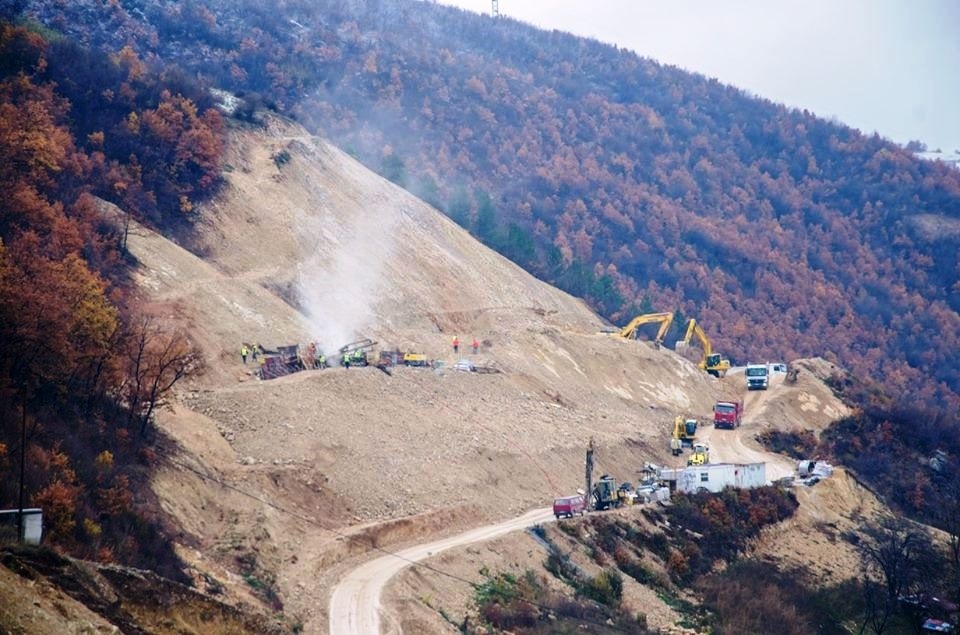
(758, 376)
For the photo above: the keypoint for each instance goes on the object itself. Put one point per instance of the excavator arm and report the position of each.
(712, 362)
(665, 320)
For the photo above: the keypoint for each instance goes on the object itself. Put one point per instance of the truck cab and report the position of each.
(758, 376)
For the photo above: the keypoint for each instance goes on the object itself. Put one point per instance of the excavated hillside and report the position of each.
(277, 487)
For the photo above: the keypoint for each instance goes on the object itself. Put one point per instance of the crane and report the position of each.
(713, 363)
(665, 320)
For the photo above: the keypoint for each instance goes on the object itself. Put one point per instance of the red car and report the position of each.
(568, 506)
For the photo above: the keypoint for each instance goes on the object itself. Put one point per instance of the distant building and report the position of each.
(32, 524)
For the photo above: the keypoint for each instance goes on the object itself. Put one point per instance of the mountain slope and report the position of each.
(273, 489)
(621, 180)
(294, 478)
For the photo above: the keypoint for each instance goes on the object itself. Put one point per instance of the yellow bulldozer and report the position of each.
(713, 363)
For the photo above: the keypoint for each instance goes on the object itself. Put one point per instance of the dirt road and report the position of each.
(355, 602)
(738, 446)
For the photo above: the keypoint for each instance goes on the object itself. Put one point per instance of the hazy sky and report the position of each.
(891, 66)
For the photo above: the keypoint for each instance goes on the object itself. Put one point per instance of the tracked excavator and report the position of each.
(684, 433)
(664, 319)
(713, 363)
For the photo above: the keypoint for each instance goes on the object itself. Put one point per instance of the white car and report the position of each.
(465, 365)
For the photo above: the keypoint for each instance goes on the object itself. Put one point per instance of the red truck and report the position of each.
(727, 414)
(569, 505)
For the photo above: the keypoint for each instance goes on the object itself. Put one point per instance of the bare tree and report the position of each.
(948, 519)
(898, 560)
(156, 361)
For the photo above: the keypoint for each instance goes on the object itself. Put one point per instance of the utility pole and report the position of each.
(21, 533)
(588, 476)
(495, 9)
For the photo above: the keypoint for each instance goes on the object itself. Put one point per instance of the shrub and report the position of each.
(798, 444)
(725, 522)
(606, 588)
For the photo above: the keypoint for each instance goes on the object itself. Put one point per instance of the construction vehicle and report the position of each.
(758, 376)
(684, 434)
(700, 454)
(283, 361)
(727, 414)
(713, 363)
(355, 353)
(415, 359)
(605, 493)
(664, 319)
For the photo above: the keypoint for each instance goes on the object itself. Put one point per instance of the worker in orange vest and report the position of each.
(476, 345)
(456, 344)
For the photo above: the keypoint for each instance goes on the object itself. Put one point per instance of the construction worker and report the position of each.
(346, 360)
(476, 345)
(244, 351)
(322, 361)
(256, 351)
(456, 344)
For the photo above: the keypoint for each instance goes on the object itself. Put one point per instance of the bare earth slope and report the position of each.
(291, 481)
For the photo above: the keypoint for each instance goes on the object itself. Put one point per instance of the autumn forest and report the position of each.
(635, 185)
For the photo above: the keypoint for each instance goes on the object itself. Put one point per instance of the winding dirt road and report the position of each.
(355, 603)
(355, 606)
(738, 446)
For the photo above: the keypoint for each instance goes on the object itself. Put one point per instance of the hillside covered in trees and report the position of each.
(85, 365)
(632, 184)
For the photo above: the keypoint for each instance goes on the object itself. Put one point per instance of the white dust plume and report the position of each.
(339, 277)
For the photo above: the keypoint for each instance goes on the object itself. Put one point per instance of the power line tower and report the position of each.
(495, 9)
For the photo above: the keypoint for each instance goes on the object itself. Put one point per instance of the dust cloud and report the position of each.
(339, 277)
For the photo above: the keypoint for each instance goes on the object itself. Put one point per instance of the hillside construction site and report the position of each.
(309, 471)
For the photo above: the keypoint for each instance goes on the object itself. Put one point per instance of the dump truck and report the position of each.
(727, 414)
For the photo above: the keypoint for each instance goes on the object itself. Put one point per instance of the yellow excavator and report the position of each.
(665, 320)
(684, 433)
(713, 363)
